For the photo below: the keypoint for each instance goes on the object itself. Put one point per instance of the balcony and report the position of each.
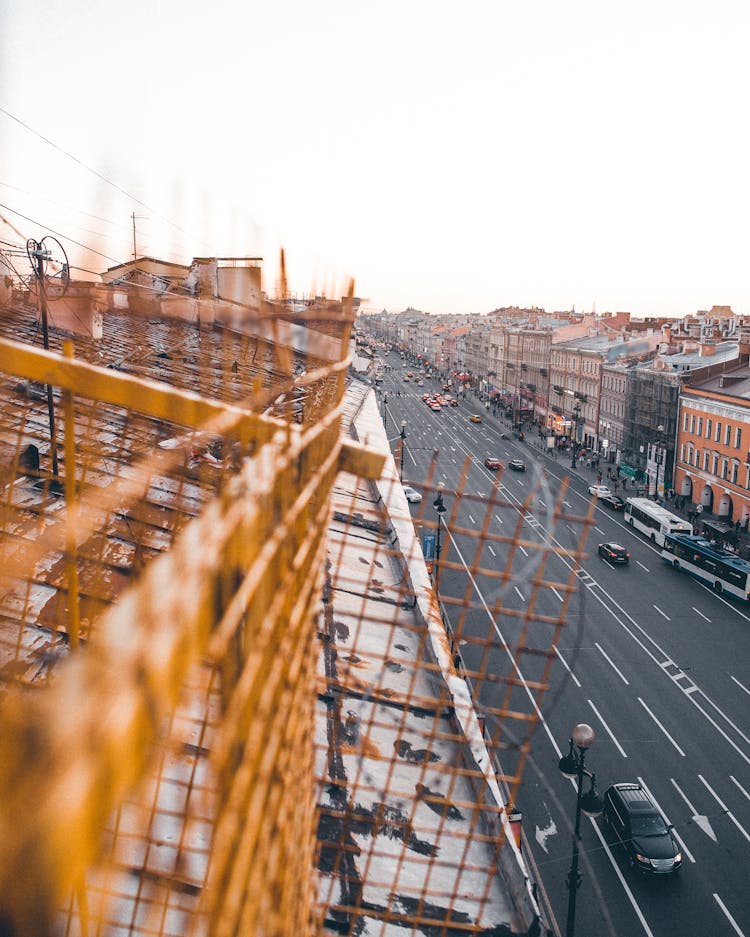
(543, 372)
(579, 396)
(557, 389)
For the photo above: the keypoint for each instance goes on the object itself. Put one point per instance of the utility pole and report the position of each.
(134, 218)
(39, 255)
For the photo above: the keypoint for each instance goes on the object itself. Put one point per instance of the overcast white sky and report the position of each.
(452, 157)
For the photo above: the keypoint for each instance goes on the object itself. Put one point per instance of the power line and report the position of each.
(58, 233)
(97, 174)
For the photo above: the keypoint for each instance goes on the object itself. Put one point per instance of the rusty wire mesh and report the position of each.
(220, 653)
(411, 834)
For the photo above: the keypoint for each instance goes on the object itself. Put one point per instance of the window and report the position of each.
(724, 469)
(717, 437)
(737, 437)
(708, 428)
(735, 470)
(684, 422)
(700, 425)
(728, 434)
(715, 465)
(692, 423)
(682, 452)
(705, 460)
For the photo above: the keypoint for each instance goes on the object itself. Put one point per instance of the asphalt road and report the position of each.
(656, 663)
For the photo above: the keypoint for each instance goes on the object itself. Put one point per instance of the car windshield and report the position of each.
(650, 824)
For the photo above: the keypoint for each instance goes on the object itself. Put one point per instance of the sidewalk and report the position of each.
(624, 488)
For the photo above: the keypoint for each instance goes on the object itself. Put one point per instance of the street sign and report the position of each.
(428, 546)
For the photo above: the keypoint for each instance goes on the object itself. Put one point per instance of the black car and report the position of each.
(613, 502)
(614, 552)
(641, 828)
(517, 465)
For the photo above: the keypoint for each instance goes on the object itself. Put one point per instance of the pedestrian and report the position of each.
(599, 478)
(737, 526)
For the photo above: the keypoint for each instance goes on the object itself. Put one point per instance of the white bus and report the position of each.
(654, 521)
(722, 570)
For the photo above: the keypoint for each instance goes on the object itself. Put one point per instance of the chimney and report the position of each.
(707, 349)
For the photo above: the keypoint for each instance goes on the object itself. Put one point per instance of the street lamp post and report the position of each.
(572, 765)
(402, 434)
(441, 509)
(385, 411)
(576, 416)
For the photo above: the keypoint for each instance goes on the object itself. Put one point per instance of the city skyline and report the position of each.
(541, 156)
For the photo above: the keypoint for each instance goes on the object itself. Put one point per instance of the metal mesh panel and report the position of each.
(231, 704)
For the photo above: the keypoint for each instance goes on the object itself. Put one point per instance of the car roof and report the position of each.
(635, 797)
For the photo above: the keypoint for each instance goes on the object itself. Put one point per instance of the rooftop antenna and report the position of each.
(44, 254)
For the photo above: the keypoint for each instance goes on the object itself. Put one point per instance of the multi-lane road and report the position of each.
(657, 664)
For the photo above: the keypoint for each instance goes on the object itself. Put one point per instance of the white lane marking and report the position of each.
(444, 475)
(661, 727)
(556, 593)
(499, 520)
(740, 685)
(565, 665)
(698, 818)
(491, 550)
(735, 781)
(642, 566)
(472, 519)
(612, 664)
(542, 504)
(598, 530)
(618, 872)
(481, 493)
(728, 915)
(454, 461)
(625, 620)
(663, 614)
(699, 612)
(522, 550)
(676, 835)
(609, 731)
(727, 811)
(520, 594)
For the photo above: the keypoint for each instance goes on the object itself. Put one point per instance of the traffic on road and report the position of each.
(656, 662)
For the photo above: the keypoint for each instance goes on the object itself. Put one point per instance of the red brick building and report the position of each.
(712, 466)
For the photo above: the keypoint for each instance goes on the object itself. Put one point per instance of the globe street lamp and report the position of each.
(576, 416)
(385, 411)
(572, 766)
(441, 509)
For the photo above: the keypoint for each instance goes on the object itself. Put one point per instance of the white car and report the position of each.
(412, 495)
(600, 491)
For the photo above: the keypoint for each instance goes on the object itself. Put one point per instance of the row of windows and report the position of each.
(712, 462)
(615, 383)
(700, 426)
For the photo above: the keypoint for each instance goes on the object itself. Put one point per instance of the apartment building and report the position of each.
(713, 443)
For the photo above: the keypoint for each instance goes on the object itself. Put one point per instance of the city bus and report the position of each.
(654, 521)
(722, 570)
